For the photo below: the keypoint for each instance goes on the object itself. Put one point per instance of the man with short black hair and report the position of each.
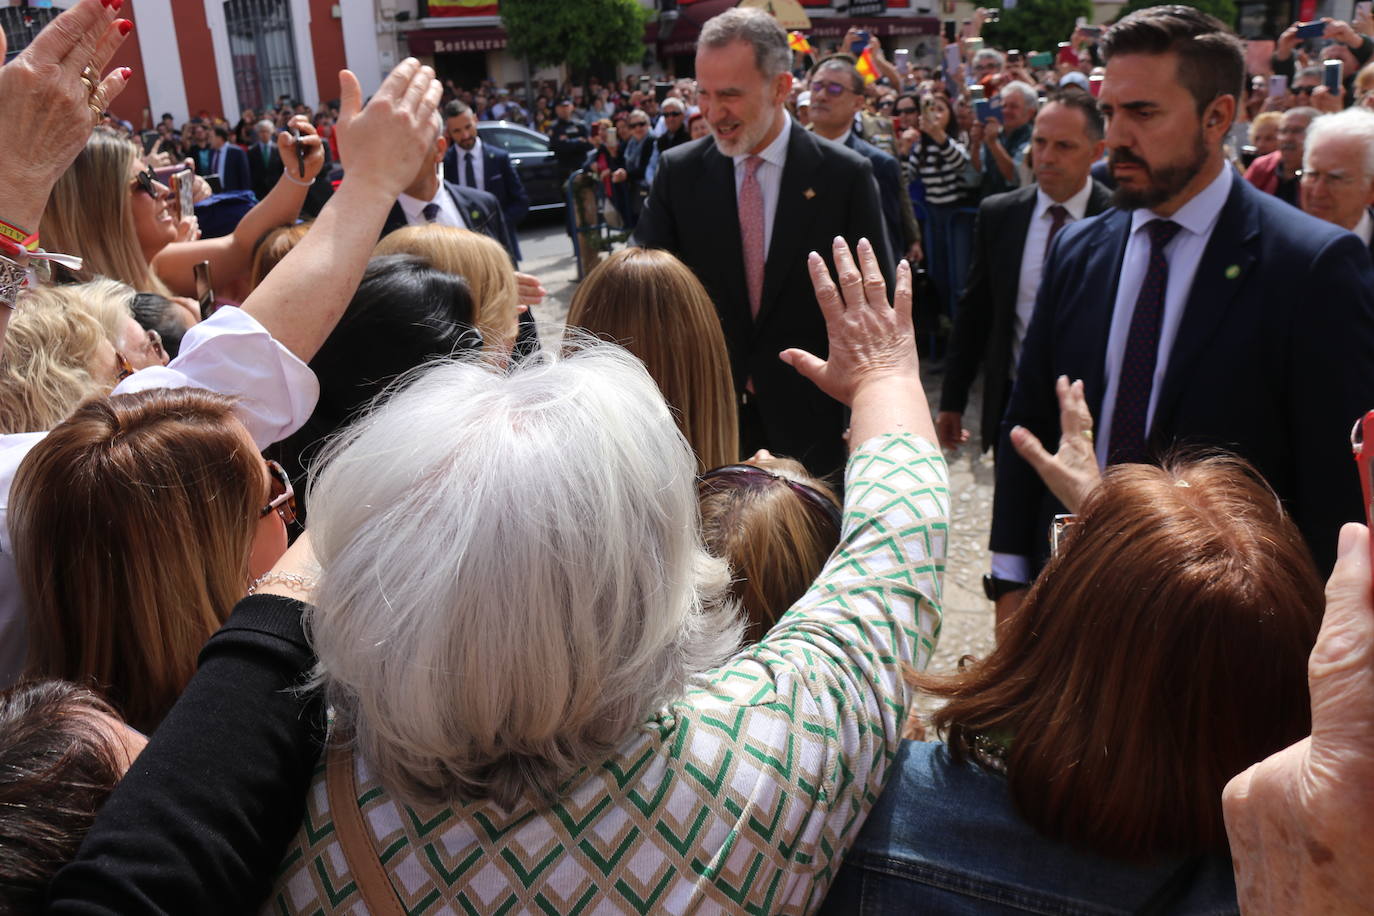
(568, 138)
(473, 164)
(1200, 312)
(228, 162)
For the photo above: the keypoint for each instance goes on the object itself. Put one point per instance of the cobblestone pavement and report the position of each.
(968, 618)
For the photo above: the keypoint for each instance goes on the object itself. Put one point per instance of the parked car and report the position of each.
(532, 158)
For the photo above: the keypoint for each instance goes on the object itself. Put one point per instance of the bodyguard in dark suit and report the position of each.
(1011, 240)
(1201, 313)
(473, 164)
(264, 161)
(430, 199)
(712, 204)
(229, 162)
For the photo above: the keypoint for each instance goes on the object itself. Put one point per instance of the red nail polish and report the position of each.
(124, 26)
(105, 3)
(116, 4)
(125, 72)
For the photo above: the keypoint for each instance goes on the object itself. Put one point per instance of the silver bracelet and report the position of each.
(303, 584)
(286, 173)
(12, 277)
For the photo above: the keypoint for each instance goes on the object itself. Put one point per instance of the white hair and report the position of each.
(1355, 123)
(991, 54)
(513, 577)
(1023, 89)
(265, 123)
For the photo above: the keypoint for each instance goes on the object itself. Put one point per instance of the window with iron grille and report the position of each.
(264, 52)
(22, 24)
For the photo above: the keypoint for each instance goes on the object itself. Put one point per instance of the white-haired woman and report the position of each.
(528, 655)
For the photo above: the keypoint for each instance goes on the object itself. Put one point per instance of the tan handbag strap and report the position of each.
(364, 864)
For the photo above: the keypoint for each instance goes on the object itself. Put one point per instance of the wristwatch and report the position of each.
(994, 588)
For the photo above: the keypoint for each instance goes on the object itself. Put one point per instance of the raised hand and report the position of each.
(1070, 473)
(385, 143)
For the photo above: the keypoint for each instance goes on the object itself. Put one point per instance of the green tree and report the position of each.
(1036, 25)
(579, 33)
(1225, 10)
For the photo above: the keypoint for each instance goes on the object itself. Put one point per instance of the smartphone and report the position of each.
(927, 104)
(1042, 60)
(300, 150)
(183, 185)
(1091, 31)
(985, 110)
(205, 291)
(976, 94)
(1331, 75)
(952, 60)
(857, 46)
(903, 61)
(1364, 462)
(972, 46)
(1013, 56)
(1095, 84)
(1312, 29)
(951, 30)
(1278, 85)
(149, 138)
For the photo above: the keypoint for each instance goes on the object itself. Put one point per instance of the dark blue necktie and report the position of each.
(472, 174)
(1137, 376)
(431, 212)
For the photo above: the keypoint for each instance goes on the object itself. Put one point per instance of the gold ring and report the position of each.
(1088, 434)
(91, 79)
(97, 114)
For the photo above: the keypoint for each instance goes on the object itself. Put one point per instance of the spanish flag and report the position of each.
(866, 67)
(797, 42)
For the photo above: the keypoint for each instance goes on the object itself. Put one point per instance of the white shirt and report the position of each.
(448, 215)
(478, 171)
(229, 352)
(1033, 259)
(769, 177)
(1198, 217)
(1364, 228)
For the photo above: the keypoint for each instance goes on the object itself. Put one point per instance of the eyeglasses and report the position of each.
(155, 347)
(123, 368)
(672, 114)
(283, 497)
(745, 474)
(148, 183)
(1059, 530)
(828, 88)
(885, 103)
(1303, 90)
(639, 123)
(1332, 179)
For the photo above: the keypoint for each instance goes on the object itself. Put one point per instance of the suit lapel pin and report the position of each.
(808, 193)
(1233, 271)
(476, 215)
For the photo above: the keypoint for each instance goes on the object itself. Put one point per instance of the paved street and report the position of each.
(968, 615)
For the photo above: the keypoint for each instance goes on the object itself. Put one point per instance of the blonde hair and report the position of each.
(1364, 80)
(775, 537)
(133, 522)
(1262, 120)
(649, 302)
(274, 246)
(47, 366)
(480, 260)
(88, 215)
(109, 301)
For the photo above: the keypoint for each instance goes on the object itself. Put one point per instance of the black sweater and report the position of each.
(203, 818)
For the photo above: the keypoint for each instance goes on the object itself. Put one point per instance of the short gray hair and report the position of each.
(756, 27)
(513, 577)
(264, 122)
(1354, 123)
(990, 54)
(1023, 89)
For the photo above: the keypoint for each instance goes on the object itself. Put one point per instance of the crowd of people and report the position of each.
(325, 587)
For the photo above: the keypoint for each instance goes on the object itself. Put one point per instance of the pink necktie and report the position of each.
(751, 231)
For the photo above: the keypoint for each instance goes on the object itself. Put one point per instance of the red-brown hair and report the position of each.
(1161, 652)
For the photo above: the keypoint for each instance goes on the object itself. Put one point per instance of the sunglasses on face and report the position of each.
(283, 496)
(672, 114)
(830, 89)
(148, 183)
(639, 123)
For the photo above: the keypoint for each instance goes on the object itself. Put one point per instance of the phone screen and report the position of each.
(205, 290)
(1331, 75)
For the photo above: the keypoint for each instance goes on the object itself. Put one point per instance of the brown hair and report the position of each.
(479, 260)
(58, 764)
(775, 538)
(1211, 59)
(89, 215)
(132, 523)
(272, 247)
(649, 302)
(1162, 651)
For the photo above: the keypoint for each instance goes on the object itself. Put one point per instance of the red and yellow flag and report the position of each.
(463, 8)
(797, 42)
(866, 67)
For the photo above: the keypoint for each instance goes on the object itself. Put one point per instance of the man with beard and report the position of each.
(1200, 312)
(1277, 172)
(473, 164)
(744, 211)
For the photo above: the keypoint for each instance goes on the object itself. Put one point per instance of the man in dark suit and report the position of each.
(1011, 241)
(264, 161)
(743, 209)
(228, 162)
(1201, 312)
(473, 164)
(837, 96)
(432, 200)
(1337, 184)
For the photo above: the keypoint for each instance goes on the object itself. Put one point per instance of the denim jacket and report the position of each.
(945, 838)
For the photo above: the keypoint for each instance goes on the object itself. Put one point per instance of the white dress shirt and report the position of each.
(1033, 259)
(769, 177)
(477, 170)
(229, 352)
(1364, 228)
(448, 215)
(1197, 218)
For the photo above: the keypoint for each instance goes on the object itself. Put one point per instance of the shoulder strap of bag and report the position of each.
(364, 864)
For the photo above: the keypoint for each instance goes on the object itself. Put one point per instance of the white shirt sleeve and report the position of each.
(1012, 567)
(231, 353)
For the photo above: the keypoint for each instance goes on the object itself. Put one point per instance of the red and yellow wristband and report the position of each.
(21, 237)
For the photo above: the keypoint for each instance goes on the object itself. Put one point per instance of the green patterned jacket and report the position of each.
(740, 798)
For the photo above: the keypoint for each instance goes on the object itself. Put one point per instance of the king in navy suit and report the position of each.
(489, 169)
(1262, 339)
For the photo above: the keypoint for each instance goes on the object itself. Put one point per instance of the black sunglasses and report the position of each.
(147, 182)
